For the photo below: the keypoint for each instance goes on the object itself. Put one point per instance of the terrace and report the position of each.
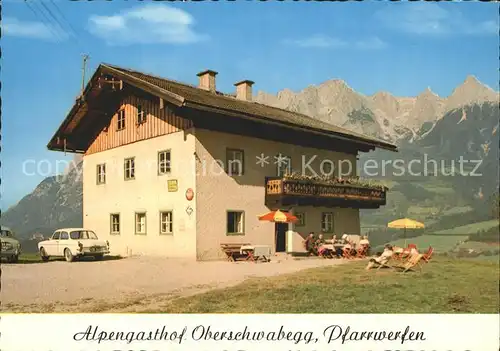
(297, 190)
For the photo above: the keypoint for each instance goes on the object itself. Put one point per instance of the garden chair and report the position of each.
(413, 261)
(427, 255)
(347, 253)
(361, 252)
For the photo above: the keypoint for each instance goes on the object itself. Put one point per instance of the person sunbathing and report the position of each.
(382, 259)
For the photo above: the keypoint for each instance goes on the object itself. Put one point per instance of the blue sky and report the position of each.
(402, 48)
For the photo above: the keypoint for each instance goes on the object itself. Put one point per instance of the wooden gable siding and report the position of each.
(159, 121)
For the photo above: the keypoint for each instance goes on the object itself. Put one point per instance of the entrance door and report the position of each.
(280, 235)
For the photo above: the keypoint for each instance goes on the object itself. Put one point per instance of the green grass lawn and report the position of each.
(445, 286)
(457, 210)
(478, 246)
(471, 228)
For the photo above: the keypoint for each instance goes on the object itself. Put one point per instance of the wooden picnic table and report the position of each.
(233, 250)
(246, 251)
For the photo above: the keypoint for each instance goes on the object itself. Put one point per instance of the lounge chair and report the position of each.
(409, 265)
(427, 255)
(361, 252)
(347, 253)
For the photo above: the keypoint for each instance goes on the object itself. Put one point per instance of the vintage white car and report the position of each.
(72, 243)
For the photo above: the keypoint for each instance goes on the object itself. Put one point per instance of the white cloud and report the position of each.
(34, 30)
(431, 19)
(326, 42)
(146, 25)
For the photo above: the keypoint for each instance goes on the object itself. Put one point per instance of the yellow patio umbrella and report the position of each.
(405, 223)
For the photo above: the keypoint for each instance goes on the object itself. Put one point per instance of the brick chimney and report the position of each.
(207, 80)
(244, 90)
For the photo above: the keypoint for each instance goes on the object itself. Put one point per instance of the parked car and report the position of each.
(10, 247)
(72, 243)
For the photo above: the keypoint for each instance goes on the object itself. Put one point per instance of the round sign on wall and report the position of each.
(189, 194)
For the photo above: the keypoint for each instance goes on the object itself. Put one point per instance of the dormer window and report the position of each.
(141, 115)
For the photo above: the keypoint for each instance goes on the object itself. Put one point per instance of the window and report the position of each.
(115, 223)
(235, 222)
(141, 115)
(164, 162)
(327, 222)
(166, 222)
(234, 162)
(82, 234)
(301, 216)
(283, 165)
(140, 223)
(55, 236)
(121, 120)
(129, 168)
(64, 236)
(101, 174)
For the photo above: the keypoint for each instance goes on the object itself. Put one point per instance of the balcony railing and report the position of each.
(277, 188)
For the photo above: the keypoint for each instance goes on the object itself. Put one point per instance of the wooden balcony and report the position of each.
(283, 192)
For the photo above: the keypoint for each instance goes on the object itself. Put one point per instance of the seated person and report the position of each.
(309, 244)
(334, 239)
(345, 239)
(382, 259)
(364, 241)
(364, 244)
(320, 241)
(349, 247)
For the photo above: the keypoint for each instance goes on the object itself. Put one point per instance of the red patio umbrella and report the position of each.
(278, 216)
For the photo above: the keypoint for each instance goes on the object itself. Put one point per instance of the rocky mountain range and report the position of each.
(462, 124)
(381, 115)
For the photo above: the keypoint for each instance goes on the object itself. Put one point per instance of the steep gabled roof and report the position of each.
(223, 102)
(185, 95)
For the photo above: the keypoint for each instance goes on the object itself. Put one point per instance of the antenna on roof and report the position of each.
(84, 68)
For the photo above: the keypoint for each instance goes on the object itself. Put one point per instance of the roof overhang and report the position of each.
(100, 79)
(370, 145)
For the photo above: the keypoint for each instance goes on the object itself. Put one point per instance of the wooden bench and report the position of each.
(233, 250)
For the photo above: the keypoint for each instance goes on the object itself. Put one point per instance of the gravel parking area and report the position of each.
(129, 284)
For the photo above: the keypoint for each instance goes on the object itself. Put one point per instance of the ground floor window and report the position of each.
(235, 222)
(115, 223)
(301, 216)
(166, 222)
(327, 222)
(140, 223)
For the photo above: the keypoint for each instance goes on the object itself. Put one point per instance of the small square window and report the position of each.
(140, 223)
(101, 174)
(121, 120)
(301, 216)
(235, 223)
(115, 223)
(166, 222)
(327, 222)
(235, 162)
(141, 115)
(164, 162)
(129, 168)
(283, 165)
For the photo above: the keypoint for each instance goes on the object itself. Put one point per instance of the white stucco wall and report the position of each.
(217, 192)
(148, 193)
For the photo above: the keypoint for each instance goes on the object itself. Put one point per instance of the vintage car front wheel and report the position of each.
(43, 255)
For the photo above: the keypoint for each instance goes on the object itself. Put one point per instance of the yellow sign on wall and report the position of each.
(172, 185)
